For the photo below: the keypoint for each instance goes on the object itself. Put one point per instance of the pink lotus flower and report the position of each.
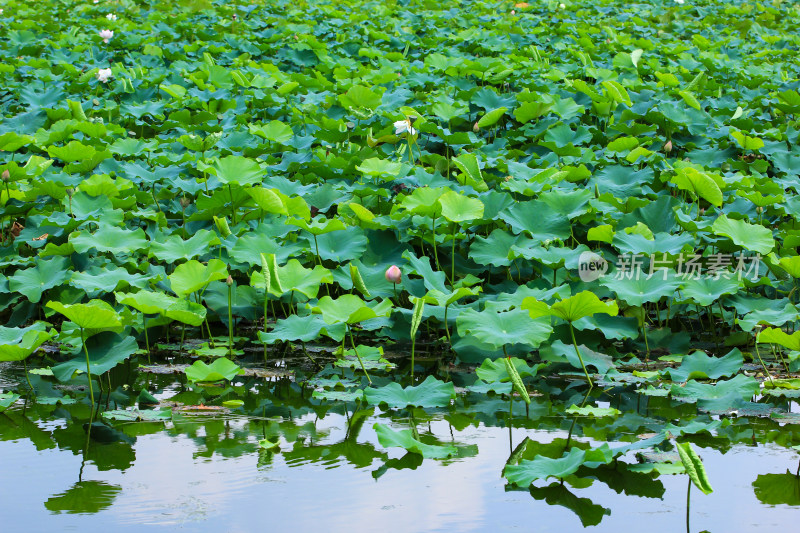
(393, 274)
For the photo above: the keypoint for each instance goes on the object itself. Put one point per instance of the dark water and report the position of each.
(207, 473)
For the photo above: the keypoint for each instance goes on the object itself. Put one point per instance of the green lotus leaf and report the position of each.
(302, 328)
(570, 204)
(776, 316)
(99, 280)
(694, 467)
(581, 305)
(641, 289)
(350, 309)
(341, 246)
(617, 92)
(560, 352)
(221, 369)
(138, 415)
(698, 365)
(339, 395)
(295, 277)
(460, 208)
(106, 350)
(791, 265)
(433, 280)
(753, 237)
(381, 168)
(491, 117)
(359, 96)
(186, 312)
(590, 410)
(699, 184)
(147, 302)
(436, 297)
(318, 226)
(662, 243)
(94, 315)
(707, 290)
(498, 329)
(726, 393)
(237, 169)
(71, 152)
(429, 393)
(111, 239)
(32, 282)
(494, 371)
(174, 248)
(7, 399)
(778, 336)
(17, 344)
(528, 471)
(274, 130)
(494, 250)
(193, 276)
(538, 219)
(423, 201)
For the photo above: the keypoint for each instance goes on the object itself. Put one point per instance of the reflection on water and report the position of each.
(293, 461)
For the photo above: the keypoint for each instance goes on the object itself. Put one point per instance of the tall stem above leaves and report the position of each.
(88, 368)
(580, 358)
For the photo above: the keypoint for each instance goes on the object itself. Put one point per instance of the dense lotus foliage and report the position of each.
(425, 207)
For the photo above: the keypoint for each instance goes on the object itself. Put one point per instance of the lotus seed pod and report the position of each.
(185, 202)
(393, 274)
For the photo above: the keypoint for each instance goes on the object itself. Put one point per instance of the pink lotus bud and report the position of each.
(476, 128)
(6, 175)
(393, 274)
(668, 146)
(229, 281)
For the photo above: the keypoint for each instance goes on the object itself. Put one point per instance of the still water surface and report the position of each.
(207, 473)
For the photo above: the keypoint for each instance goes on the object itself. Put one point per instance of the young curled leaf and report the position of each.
(516, 380)
(694, 467)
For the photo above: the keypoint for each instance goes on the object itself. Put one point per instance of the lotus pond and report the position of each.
(413, 265)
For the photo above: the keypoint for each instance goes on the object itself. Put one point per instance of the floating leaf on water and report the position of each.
(430, 393)
(219, 370)
(404, 439)
(590, 410)
(138, 415)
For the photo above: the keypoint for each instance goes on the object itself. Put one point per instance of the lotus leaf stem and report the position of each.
(88, 368)
(577, 351)
(361, 361)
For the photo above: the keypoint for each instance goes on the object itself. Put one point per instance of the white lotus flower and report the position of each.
(679, 1)
(106, 35)
(104, 74)
(562, 6)
(402, 126)
(111, 16)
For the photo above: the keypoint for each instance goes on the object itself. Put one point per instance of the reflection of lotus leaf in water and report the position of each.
(775, 489)
(589, 512)
(84, 497)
